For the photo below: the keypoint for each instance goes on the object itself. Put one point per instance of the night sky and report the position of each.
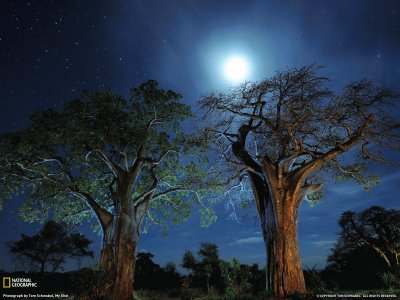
(51, 51)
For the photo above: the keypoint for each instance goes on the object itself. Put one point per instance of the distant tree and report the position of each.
(149, 275)
(209, 264)
(50, 249)
(205, 267)
(371, 235)
(146, 271)
(314, 280)
(357, 267)
(172, 278)
(114, 158)
(257, 279)
(189, 260)
(281, 135)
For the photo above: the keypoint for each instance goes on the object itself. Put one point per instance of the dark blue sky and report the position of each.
(51, 50)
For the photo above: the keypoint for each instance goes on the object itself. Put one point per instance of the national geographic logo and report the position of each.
(9, 282)
(6, 282)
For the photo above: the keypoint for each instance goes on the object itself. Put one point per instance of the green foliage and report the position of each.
(189, 261)
(390, 280)
(235, 277)
(205, 269)
(207, 217)
(356, 172)
(314, 198)
(65, 155)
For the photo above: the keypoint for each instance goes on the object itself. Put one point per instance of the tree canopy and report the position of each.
(205, 268)
(78, 153)
(295, 121)
(375, 228)
(50, 248)
(283, 135)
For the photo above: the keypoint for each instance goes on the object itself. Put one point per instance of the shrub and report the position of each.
(93, 285)
(314, 279)
(390, 280)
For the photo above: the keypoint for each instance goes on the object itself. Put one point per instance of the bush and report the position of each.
(313, 279)
(390, 280)
(93, 285)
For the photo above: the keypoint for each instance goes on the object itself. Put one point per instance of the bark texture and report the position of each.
(121, 235)
(125, 259)
(279, 227)
(107, 251)
(278, 198)
(284, 265)
(118, 254)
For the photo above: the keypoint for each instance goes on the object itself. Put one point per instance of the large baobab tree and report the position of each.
(283, 134)
(106, 156)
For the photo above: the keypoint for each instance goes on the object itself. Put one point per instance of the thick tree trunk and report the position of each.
(125, 270)
(121, 235)
(125, 257)
(285, 271)
(279, 226)
(118, 253)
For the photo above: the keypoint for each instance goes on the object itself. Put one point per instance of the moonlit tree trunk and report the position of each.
(118, 254)
(126, 241)
(285, 275)
(279, 227)
(107, 253)
(127, 224)
(121, 235)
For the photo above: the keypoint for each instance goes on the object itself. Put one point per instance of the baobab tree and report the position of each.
(283, 134)
(106, 156)
(376, 228)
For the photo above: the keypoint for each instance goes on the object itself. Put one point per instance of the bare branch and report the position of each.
(300, 174)
(111, 165)
(103, 215)
(147, 195)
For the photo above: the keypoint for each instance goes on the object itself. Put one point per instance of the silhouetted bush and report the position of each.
(90, 284)
(314, 280)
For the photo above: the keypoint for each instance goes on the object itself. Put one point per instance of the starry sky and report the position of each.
(51, 50)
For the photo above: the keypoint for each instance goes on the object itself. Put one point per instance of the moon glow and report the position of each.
(236, 69)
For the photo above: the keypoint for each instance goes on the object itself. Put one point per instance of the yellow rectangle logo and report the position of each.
(6, 282)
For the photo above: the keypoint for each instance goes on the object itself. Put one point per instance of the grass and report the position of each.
(199, 295)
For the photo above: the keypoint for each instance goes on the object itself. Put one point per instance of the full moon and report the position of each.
(236, 69)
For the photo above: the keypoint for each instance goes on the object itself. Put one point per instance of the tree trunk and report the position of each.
(285, 271)
(121, 234)
(275, 198)
(279, 227)
(118, 253)
(126, 241)
(107, 252)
